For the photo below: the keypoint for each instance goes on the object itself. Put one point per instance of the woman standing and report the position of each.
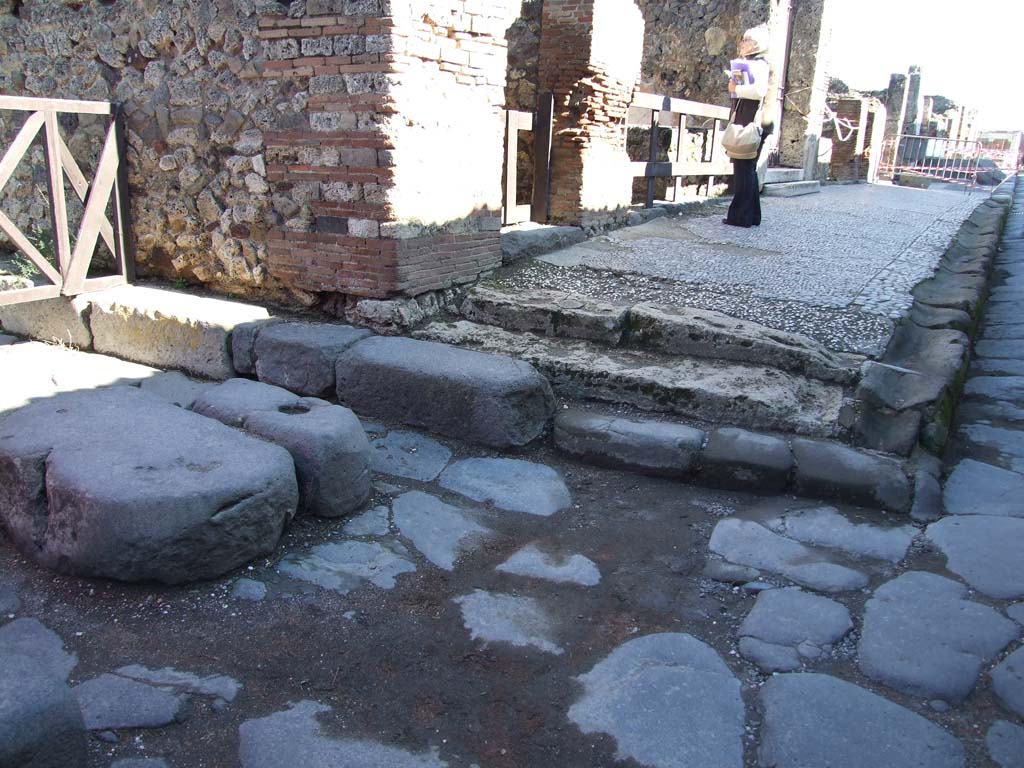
(750, 104)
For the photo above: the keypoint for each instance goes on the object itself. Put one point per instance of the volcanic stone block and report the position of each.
(651, 447)
(60, 319)
(40, 723)
(301, 357)
(882, 429)
(485, 399)
(736, 458)
(168, 329)
(830, 470)
(946, 289)
(327, 442)
(120, 484)
(243, 344)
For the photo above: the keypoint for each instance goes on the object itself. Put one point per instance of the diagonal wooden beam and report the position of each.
(95, 208)
(25, 246)
(81, 186)
(19, 146)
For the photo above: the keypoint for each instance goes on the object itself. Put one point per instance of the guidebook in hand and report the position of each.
(740, 72)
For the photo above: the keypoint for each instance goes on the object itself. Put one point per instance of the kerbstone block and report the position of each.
(736, 458)
(60, 319)
(485, 399)
(830, 470)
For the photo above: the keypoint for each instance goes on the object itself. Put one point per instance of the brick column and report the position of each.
(806, 86)
(399, 172)
(590, 53)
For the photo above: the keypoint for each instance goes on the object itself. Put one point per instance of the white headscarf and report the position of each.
(760, 36)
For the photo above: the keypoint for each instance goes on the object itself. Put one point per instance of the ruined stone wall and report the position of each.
(806, 86)
(289, 148)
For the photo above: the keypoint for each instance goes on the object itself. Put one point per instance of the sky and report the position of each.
(968, 51)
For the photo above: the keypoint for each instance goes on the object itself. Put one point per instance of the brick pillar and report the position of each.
(590, 53)
(399, 171)
(806, 85)
(848, 161)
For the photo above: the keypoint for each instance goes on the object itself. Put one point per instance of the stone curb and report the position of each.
(907, 397)
(738, 459)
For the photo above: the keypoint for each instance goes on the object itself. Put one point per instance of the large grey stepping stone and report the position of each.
(294, 738)
(652, 447)
(668, 700)
(301, 357)
(817, 720)
(343, 567)
(40, 723)
(922, 636)
(561, 569)
(976, 488)
(795, 620)
(29, 637)
(827, 527)
(830, 470)
(168, 329)
(213, 686)
(1005, 742)
(985, 551)
(745, 542)
(112, 701)
(519, 621)
(175, 387)
(510, 484)
(132, 488)
(484, 399)
(438, 530)
(1008, 681)
(408, 454)
(373, 522)
(326, 442)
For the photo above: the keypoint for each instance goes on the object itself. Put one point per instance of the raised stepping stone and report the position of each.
(817, 720)
(830, 470)
(484, 399)
(146, 490)
(1008, 681)
(109, 702)
(438, 530)
(561, 569)
(1005, 742)
(984, 551)
(745, 542)
(497, 618)
(326, 442)
(243, 344)
(411, 455)
(212, 686)
(343, 567)
(827, 527)
(668, 700)
(176, 388)
(510, 484)
(792, 620)
(167, 329)
(976, 488)
(736, 458)
(922, 636)
(40, 722)
(373, 522)
(249, 589)
(651, 447)
(1009, 388)
(294, 737)
(301, 357)
(28, 637)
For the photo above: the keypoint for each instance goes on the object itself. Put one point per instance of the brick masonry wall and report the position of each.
(857, 158)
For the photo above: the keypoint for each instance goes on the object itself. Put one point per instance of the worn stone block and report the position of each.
(882, 429)
(243, 344)
(301, 357)
(549, 313)
(168, 329)
(651, 447)
(830, 470)
(736, 458)
(485, 399)
(527, 241)
(62, 319)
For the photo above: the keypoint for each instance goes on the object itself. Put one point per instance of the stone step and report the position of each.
(658, 329)
(750, 396)
(783, 175)
(792, 189)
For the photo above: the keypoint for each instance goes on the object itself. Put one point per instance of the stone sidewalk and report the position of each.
(837, 266)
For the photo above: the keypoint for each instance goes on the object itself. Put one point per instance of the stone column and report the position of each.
(896, 106)
(915, 101)
(806, 87)
(590, 54)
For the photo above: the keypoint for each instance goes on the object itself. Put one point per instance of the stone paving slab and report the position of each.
(1005, 742)
(976, 488)
(508, 619)
(1008, 681)
(984, 550)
